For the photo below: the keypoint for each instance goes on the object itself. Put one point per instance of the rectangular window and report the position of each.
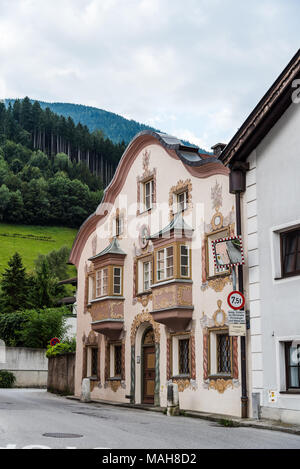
(184, 261)
(290, 253)
(118, 360)
(292, 360)
(119, 226)
(101, 282)
(182, 200)
(223, 354)
(147, 274)
(184, 356)
(165, 263)
(94, 362)
(117, 280)
(148, 194)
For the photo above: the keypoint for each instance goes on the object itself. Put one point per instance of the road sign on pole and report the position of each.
(236, 300)
(237, 323)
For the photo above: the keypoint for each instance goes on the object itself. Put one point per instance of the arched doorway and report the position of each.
(148, 366)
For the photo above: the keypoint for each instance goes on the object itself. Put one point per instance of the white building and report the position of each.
(266, 153)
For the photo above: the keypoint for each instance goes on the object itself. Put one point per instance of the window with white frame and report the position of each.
(290, 253)
(147, 275)
(165, 263)
(148, 194)
(182, 201)
(119, 225)
(91, 286)
(117, 281)
(101, 282)
(181, 355)
(115, 360)
(292, 365)
(184, 261)
(92, 362)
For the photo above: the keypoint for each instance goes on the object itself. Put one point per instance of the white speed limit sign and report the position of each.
(236, 300)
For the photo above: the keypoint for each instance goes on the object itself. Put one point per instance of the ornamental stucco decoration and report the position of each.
(144, 300)
(216, 196)
(140, 319)
(217, 284)
(219, 315)
(146, 161)
(221, 385)
(94, 245)
(91, 339)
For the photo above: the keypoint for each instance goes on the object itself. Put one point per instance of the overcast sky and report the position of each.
(193, 68)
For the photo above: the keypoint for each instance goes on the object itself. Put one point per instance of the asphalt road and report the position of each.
(27, 414)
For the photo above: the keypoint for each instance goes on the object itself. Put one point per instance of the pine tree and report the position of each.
(14, 286)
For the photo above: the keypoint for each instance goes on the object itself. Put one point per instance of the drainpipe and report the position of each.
(237, 185)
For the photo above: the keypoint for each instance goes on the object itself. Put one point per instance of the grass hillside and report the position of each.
(30, 241)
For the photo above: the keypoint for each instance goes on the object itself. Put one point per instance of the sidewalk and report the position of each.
(225, 420)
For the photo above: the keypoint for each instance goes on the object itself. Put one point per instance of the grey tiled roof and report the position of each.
(177, 224)
(112, 248)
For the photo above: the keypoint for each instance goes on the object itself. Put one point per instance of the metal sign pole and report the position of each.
(234, 278)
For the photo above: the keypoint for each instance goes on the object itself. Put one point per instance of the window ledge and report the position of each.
(148, 210)
(93, 378)
(220, 376)
(223, 275)
(102, 298)
(290, 392)
(181, 377)
(116, 378)
(144, 293)
(171, 280)
(284, 277)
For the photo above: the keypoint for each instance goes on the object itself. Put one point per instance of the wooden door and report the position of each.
(149, 374)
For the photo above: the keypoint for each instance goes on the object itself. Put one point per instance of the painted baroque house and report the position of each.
(151, 307)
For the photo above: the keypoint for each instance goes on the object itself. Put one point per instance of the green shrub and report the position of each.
(7, 379)
(33, 328)
(61, 348)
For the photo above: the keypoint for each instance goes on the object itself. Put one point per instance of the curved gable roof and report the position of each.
(198, 164)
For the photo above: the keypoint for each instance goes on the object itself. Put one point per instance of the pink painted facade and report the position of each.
(153, 309)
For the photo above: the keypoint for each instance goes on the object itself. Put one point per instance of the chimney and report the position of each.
(218, 148)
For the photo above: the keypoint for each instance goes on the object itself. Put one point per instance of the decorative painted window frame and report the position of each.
(180, 187)
(183, 381)
(141, 180)
(120, 213)
(114, 382)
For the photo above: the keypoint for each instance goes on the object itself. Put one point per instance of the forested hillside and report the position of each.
(27, 123)
(44, 179)
(115, 127)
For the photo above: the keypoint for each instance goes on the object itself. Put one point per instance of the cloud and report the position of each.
(199, 66)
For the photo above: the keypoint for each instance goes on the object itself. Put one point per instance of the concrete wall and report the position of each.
(29, 365)
(61, 374)
(273, 194)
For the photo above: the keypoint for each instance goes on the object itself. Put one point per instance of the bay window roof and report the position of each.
(112, 248)
(177, 225)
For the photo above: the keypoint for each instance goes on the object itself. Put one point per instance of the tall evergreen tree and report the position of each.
(14, 286)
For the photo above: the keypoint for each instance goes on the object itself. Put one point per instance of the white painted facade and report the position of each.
(270, 206)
